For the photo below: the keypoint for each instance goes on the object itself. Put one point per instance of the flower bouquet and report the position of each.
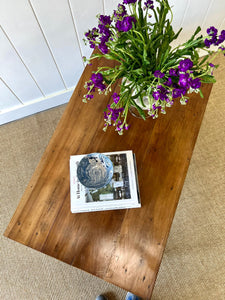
(139, 36)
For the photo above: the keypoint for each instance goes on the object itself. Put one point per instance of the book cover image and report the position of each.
(121, 192)
(118, 188)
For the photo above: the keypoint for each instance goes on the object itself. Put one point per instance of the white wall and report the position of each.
(41, 46)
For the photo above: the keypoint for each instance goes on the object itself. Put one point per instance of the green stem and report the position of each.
(125, 113)
(140, 36)
(114, 78)
(219, 50)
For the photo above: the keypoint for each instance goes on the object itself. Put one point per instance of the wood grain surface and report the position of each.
(124, 247)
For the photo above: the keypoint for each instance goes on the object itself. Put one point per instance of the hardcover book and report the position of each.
(121, 193)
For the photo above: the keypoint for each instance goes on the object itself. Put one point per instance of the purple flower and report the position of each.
(126, 24)
(161, 93)
(149, 4)
(176, 93)
(168, 82)
(212, 31)
(103, 48)
(101, 86)
(129, 1)
(222, 48)
(104, 30)
(159, 74)
(195, 83)
(156, 107)
(214, 39)
(90, 86)
(104, 39)
(120, 12)
(119, 25)
(212, 66)
(183, 90)
(89, 97)
(207, 43)
(92, 45)
(185, 64)
(222, 33)
(173, 72)
(116, 98)
(221, 38)
(184, 81)
(120, 127)
(106, 33)
(105, 20)
(91, 36)
(114, 113)
(156, 95)
(97, 80)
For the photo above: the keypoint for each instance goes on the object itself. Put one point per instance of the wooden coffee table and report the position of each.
(124, 247)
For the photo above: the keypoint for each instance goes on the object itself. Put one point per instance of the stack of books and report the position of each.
(121, 193)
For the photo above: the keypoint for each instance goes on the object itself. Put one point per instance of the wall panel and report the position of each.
(190, 17)
(7, 98)
(84, 14)
(14, 72)
(178, 8)
(60, 33)
(33, 107)
(110, 6)
(18, 21)
(215, 14)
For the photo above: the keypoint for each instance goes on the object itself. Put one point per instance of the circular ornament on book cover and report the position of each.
(95, 170)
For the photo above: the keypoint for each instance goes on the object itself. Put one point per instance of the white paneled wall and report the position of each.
(41, 46)
(84, 14)
(57, 27)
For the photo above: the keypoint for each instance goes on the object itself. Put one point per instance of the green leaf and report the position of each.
(140, 11)
(139, 109)
(195, 33)
(138, 71)
(177, 34)
(165, 55)
(208, 79)
(201, 94)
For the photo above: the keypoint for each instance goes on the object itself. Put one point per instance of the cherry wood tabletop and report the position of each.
(124, 247)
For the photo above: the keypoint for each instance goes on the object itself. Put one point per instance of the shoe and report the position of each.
(131, 296)
(101, 297)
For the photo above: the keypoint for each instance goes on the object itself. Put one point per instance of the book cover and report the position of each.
(122, 192)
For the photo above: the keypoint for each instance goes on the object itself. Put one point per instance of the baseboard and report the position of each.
(33, 107)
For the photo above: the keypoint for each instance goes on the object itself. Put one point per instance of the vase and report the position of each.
(146, 99)
(145, 108)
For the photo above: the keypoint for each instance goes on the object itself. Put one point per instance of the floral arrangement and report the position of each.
(138, 37)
